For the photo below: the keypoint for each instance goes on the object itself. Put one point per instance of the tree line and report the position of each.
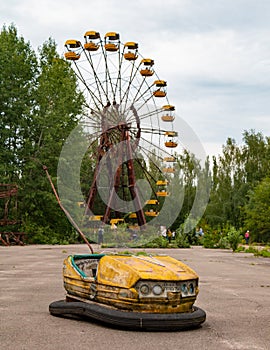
(41, 104)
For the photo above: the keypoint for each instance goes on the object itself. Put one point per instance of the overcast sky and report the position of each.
(214, 54)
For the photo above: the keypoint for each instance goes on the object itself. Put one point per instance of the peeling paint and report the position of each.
(169, 285)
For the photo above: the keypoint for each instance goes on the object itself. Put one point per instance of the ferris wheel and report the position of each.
(129, 123)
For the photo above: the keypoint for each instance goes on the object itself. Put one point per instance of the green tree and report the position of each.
(58, 104)
(189, 177)
(17, 84)
(256, 155)
(236, 172)
(257, 212)
(229, 187)
(40, 105)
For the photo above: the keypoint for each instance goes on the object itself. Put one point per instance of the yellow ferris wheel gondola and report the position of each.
(171, 133)
(160, 92)
(162, 192)
(91, 41)
(168, 116)
(151, 210)
(170, 159)
(152, 202)
(72, 47)
(162, 182)
(112, 41)
(171, 144)
(131, 49)
(169, 170)
(147, 70)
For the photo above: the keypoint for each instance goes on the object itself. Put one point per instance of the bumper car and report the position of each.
(153, 293)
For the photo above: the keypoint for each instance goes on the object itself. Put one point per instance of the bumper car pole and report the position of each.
(66, 212)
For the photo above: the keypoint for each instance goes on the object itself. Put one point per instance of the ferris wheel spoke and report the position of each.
(90, 121)
(108, 79)
(161, 174)
(137, 90)
(149, 176)
(125, 98)
(93, 136)
(150, 152)
(147, 115)
(118, 80)
(141, 95)
(78, 73)
(158, 147)
(98, 82)
(153, 131)
(150, 112)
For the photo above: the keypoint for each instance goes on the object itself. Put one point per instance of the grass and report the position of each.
(264, 252)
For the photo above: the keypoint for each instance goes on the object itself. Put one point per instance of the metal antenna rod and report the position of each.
(65, 211)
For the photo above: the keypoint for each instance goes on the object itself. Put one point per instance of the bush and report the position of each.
(251, 250)
(211, 239)
(222, 238)
(234, 238)
(46, 235)
(158, 242)
(182, 239)
(263, 252)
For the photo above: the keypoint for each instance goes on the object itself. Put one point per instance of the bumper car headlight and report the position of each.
(188, 288)
(191, 288)
(144, 289)
(184, 289)
(157, 289)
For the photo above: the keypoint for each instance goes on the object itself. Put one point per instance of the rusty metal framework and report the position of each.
(124, 122)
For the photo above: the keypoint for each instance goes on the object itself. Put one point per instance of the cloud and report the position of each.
(215, 55)
(220, 56)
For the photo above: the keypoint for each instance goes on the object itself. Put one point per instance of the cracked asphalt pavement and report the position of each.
(234, 292)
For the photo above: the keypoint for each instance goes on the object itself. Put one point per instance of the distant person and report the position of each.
(247, 236)
(201, 233)
(163, 231)
(134, 236)
(169, 235)
(100, 235)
